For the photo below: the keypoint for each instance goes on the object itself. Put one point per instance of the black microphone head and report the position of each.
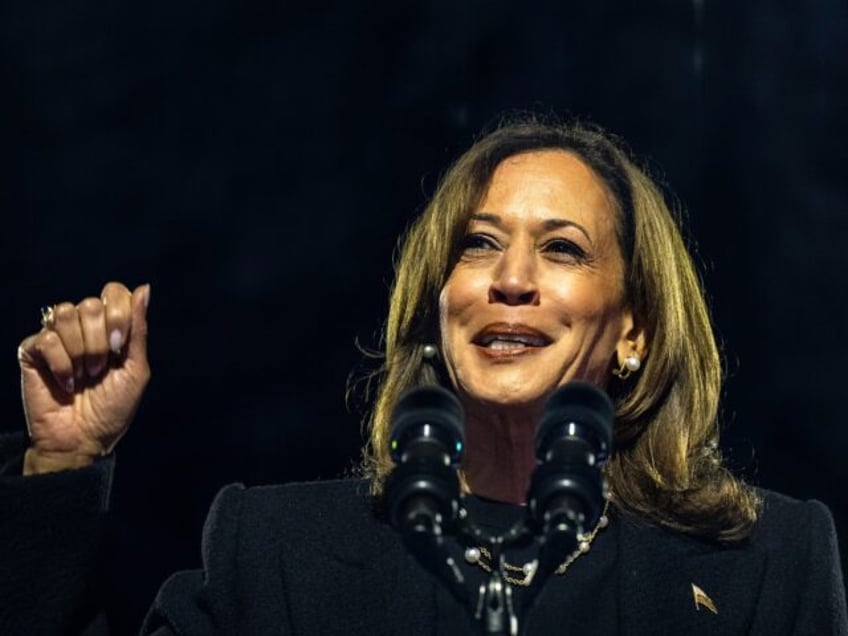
(582, 404)
(428, 414)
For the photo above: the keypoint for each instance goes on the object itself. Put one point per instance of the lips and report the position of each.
(510, 337)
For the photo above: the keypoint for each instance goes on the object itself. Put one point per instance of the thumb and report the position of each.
(137, 346)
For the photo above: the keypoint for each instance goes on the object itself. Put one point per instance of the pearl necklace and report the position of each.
(482, 558)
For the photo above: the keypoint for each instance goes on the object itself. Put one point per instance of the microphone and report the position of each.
(573, 440)
(426, 442)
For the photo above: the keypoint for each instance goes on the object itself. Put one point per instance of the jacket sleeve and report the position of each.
(51, 530)
(822, 607)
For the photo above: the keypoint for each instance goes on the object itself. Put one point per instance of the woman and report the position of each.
(545, 256)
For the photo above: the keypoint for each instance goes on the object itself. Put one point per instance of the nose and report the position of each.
(514, 278)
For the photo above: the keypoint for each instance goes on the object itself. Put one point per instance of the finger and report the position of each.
(92, 319)
(27, 354)
(137, 347)
(45, 350)
(116, 298)
(67, 325)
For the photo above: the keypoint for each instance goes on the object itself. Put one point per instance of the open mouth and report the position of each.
(510, 338)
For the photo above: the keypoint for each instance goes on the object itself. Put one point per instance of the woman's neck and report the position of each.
(499, 454)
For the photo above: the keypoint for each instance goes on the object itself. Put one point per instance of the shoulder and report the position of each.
(798, 535)
(339, 497)
(255, 539)
(784, 578)
(310, 512)
(803, 577)
(789, 536)
(786, 520)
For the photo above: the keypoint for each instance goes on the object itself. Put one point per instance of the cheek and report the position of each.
(444, 309)
(457, 301)
(584, 299)
(448, 310)
(574, 302)
(448, 320)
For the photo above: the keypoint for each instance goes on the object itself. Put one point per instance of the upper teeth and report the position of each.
(506, 341)
(506, 344)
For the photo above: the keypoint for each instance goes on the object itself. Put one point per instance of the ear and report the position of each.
(634, 338)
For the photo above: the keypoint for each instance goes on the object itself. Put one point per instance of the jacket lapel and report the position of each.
(673, 584)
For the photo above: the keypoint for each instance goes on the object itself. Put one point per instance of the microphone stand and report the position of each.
(573, 440)
(426, 495)
(496, 612)
(558, 510)
(429, 510)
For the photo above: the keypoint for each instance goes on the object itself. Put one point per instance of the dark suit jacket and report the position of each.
(312, 559)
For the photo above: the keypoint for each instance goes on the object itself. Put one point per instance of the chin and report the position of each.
(507, 395)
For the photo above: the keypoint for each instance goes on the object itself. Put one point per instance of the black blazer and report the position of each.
(311, 559)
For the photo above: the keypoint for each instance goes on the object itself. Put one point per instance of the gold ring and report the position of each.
(47, 317)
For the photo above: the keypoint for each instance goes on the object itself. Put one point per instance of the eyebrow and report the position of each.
(549, 224)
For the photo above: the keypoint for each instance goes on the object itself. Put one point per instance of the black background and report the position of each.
(256, 161)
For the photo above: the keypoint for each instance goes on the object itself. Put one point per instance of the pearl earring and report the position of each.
(631, 364)
(430, 351)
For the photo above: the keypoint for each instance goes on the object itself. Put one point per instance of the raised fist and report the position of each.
(82, 377)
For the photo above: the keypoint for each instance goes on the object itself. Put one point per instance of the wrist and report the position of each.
(39, 462)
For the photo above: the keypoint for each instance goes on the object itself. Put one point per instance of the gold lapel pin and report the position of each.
(702, 599)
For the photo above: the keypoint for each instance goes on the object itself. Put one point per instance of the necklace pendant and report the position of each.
(529, 570)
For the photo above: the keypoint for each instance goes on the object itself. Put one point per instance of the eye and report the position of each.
(478, 243)
(563, 249)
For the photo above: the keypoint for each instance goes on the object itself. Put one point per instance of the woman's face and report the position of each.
(536, 298)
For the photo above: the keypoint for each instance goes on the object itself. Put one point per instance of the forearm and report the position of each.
(50, 543)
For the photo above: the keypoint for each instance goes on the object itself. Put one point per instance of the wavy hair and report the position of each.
(666, 467)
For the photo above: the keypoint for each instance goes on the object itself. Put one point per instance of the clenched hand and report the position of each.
(82, 377)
